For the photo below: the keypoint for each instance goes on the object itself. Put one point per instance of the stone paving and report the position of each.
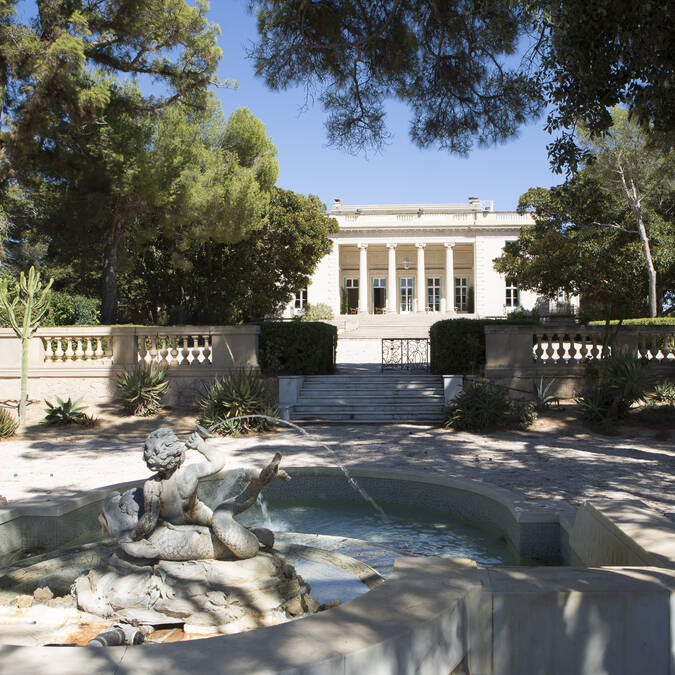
(554, 461)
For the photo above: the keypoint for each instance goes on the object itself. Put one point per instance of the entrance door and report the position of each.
(352, 295)
(407, 294)
(434, 294)
(379, 296)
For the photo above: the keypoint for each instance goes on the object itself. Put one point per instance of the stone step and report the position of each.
(340, 397)
(336, 418)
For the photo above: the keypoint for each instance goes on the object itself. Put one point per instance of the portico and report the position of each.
(415, 259)
(405, 276)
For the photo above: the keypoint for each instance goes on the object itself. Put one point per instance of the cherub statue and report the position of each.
(165, 518)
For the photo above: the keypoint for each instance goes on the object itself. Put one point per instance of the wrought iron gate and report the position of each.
(405, 354)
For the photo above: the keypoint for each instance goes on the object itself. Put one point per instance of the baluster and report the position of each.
(98, 351)
(538, 349)
(141, 345)
(573, 348)
(174, 350)
(195, 349)
(583, 350)
(69, 349)
(79, 351)
(549, 349)
(185, 352)
(207, 349)
(59, 348)
(164, 351)
(49, 351)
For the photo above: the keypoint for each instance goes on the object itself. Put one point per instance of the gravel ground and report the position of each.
(557, 459)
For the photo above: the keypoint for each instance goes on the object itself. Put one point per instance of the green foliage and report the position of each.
(229, 283)
(543, 397)
(242, 392)
(66, 412)
(579, 58)
(611, 386)
(73, 310)
(664, 392)
(317, 312)
(142, 389)
(483, 405)
(8, 424)
(297, 347)
(458, 345)
(78, 131)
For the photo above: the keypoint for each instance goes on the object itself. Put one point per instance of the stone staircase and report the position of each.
(370, 398)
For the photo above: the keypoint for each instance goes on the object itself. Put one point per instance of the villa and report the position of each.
(417, 259)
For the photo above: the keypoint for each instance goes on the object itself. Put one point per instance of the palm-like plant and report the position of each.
(8, 424)
(238, 394)
(142, 389)
(65, 412)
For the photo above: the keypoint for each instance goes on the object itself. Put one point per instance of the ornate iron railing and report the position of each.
(405, 354)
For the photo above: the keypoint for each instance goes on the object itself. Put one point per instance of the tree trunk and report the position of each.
(634, 199)
(109, 279)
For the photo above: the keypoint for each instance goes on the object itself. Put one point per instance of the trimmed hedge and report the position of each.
(72, 310)
(649, 321)
(297, 347)
(458, 345)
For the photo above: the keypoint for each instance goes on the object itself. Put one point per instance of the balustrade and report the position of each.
(176, 348)
(66, 349)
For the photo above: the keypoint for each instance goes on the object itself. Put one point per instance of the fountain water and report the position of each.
(350, 480)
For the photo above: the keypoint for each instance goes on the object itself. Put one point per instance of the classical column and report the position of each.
(421, 281)
(475, 276)
(449, 289)
(363, 278)
(391, 282)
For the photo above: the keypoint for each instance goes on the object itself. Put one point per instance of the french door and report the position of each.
(407, 288)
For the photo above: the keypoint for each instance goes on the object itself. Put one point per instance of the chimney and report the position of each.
(337, 204)
(474, 201)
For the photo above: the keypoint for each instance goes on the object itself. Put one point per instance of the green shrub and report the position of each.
(73, 310)
(482, 405)
(67, 412)
(458, 345)
(8, 424)
(297, 347)
(664, 392)
(142, 389)
(242, 392)
(611, 387)
(318, 312)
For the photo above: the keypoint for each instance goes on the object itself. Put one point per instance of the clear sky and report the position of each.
(401, 173)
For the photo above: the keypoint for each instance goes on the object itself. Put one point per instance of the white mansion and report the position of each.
(417, 258)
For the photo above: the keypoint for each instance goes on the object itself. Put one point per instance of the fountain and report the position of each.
(188, 560)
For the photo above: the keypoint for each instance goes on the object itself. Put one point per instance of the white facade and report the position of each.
(418, 258)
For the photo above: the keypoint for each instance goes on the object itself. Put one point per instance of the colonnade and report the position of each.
(447, 289)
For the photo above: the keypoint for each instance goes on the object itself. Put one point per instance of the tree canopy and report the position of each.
(587, 237)
(472, 70)
(230, 282)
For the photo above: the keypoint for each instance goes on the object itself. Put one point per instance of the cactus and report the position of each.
(28, 294)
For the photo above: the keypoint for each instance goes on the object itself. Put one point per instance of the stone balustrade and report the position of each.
(87, 360)
(517, 356)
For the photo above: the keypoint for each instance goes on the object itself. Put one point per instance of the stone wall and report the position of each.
(86, 361)
(519, 356)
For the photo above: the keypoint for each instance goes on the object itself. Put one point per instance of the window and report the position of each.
(434, 294)
(512, 294)
(300, 299)
(461, 293)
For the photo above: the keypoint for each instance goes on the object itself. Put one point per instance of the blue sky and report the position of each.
(402, 173)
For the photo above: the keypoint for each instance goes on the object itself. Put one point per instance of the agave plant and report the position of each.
(543, 397)
(8, 424)
(665, 392)
(238, 394)
(142, 389)
(66, 412)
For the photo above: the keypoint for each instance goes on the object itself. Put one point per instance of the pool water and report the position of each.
(407, 530)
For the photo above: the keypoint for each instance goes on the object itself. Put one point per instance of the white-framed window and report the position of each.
(406, 292)
(434, 294)
(512, 298)
(461, 293)
(300, 300)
